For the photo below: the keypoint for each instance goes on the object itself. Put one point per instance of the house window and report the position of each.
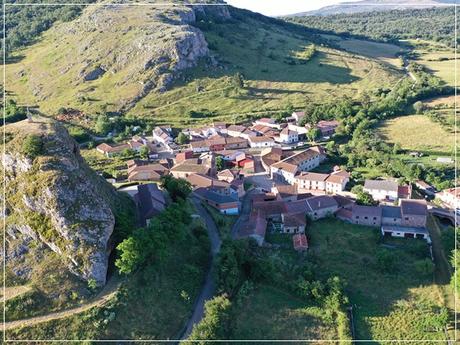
(375, 218)
(357, 217)
(406, 218)
(365, 217)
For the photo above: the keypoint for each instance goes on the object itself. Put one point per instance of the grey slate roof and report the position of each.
(413, 207)
(218, 198)
(370, 211)
(320, 202)
(391, 212)
(387, 185)
(150, 200)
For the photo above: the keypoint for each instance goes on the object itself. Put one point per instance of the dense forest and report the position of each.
(431, 24)
(23, 24)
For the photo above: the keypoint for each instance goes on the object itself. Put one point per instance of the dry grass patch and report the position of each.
(417, 132)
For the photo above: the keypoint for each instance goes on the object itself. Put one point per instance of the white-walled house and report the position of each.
(337, 182)
(199, 146)
(311, 181)
(301, 131)
(265, 121)
(261, 141)
(298, 115)
(289, 167)
(288, 136)
(163, 135)
(235, 130)
(451, 197)
(382, 189)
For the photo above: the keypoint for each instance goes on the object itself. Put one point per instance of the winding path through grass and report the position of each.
(11, 292)
(97, 301)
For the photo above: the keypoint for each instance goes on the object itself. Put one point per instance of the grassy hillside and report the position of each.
(384, 52)
(274, 60)
(276, 74)
(437, 58)
(429, 23)
(387, 304)
(411, 133)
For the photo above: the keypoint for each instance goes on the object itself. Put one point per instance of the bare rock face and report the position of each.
(54, 198)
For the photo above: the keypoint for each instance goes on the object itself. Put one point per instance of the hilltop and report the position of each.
(178, 65)
(375, 6)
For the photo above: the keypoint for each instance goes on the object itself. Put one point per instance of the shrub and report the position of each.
(386, 260)
(424, 267)
(32, 146)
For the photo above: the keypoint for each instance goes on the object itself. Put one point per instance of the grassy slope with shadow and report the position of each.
(153, 303)
(262, 53)
(394, 305)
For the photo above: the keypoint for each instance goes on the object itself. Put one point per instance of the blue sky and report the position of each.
(282, 7)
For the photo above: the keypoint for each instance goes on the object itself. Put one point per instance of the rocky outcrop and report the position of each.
(147, 46)
(57, 200)
(116, 55)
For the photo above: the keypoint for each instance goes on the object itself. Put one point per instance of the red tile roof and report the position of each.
(300, 242)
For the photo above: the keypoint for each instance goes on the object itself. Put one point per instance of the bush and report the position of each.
(32, 146)
(424, 267)
(79, 134)
(386, 260)
(216, 323)
(176, 187)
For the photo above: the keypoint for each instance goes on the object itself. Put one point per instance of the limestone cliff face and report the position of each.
(56, 200)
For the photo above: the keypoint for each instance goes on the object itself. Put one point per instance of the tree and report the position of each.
(396, 148)
(238, 80)
(364, 198)
(419, 107)
(144, 152)
(129, 255)
(32, 146)
(386, 260)
(220, 163)
(13, 112)
(313, 134)
(127, 152)
(425, 267)
(177, 188)
(182, 139)
(102, 125)
(217, 321)
(439, 320)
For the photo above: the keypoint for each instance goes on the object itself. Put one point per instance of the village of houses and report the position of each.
(267, 166)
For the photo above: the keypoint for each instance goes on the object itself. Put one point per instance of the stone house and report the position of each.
(321, 206)
(366, 215)
(413, 213)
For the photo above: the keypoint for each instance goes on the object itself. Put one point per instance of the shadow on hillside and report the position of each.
(13, 59)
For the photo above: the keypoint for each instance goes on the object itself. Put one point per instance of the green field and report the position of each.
(393, 303)
(384, 52)
(418, 132)
(387, 305)
(438, 59)
(271, 83)
(271, 313)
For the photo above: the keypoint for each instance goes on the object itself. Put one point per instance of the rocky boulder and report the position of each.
(54, 198)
